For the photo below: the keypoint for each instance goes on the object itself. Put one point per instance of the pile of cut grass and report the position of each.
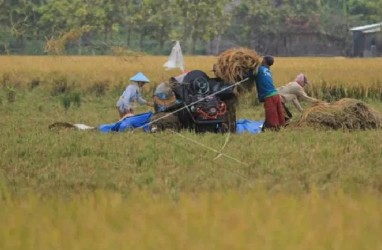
(346, 113)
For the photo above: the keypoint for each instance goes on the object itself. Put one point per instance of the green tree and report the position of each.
(129, 7)
(65, 20)
(220, 21)
(257, 22)
(264, 24)
(19, 19)
(54, 16)
(366, 11)
(335, 24)
(161, 20)
(107, 16)
(199, 19)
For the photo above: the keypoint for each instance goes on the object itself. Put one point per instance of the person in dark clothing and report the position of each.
(267, 93)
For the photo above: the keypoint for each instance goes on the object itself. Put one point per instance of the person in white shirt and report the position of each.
(293, 91)
(132, 94)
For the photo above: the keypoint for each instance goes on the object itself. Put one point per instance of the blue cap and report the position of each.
(139, 77)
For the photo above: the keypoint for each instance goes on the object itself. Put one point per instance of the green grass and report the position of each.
(66, 161)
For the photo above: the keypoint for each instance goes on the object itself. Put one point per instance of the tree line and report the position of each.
(120, 26)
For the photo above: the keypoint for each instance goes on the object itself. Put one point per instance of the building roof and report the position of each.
(371, 28)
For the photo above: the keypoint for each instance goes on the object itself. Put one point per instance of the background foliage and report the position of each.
(150, 25)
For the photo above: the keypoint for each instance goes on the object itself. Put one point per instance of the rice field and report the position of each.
(331, 78)
(301, 188)
(85, 70)
(225, 220)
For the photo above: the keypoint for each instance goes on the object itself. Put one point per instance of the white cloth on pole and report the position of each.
(175, 59)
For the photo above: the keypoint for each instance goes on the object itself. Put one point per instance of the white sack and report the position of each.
(175, 59)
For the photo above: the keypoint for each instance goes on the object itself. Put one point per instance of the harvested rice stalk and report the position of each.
(234, 64)
(344, 114)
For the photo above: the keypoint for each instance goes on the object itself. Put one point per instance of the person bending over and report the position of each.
(293, 91)
(132, 94)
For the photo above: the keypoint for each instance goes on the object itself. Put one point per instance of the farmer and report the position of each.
(293, 91)
(132, 93)
(164, 98)
(267, 93)
(214, 69)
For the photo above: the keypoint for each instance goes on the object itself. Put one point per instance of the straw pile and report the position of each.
(234, 64)
(344, 114)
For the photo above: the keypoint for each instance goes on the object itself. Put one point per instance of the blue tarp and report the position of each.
(244, 125)
(126, 123)
(141, 120)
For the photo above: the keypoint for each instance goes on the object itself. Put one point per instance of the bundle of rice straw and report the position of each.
(344, 114)
(234, 64)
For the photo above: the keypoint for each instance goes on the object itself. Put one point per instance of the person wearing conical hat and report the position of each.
(132, 94)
